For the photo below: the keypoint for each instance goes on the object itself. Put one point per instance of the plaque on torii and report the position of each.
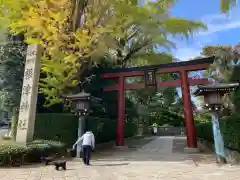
(150, 78)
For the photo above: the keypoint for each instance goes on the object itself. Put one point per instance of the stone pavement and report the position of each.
(158, 158)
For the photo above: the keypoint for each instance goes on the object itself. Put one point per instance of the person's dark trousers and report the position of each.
(87, 150)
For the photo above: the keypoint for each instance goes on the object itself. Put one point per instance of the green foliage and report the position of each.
(130, 110)
(11, 151)
(57, 127)
(236, 100)
(77, 34)
(178, 106)
(12, 57)
(226, 5)
(105, 129)
(163, 108)
(203, 126)
(155, 106)
(222, 68)
(204, 131)
(63, 127)
(2, 101)
(229, 127)
(225, 58)
(6, 137)
(162, 117)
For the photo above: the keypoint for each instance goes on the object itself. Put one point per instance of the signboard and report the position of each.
(150, 78)
(27, 109)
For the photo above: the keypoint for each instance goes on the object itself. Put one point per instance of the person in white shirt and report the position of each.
(88, 144)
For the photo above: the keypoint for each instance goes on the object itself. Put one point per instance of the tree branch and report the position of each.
(130, 54)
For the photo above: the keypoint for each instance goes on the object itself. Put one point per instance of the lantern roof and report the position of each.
(221, 88)
(82, 96)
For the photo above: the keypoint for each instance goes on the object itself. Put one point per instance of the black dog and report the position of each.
(47, 160)
(60, 163)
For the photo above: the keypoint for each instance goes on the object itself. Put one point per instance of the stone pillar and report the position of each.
(27, 110)
(80, 133)
(218, 139)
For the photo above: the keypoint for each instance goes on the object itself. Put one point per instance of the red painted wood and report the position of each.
(188, 111)
(121, 113)
(202, 81)
(175, 83)
(111, 88)
(163, 70)
(110, 75)
(184, 68)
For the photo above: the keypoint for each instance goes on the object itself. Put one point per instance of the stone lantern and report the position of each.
(214, 102)
(213, 95)
(81, 106)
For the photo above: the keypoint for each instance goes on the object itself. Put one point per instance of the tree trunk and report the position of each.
(14, 123)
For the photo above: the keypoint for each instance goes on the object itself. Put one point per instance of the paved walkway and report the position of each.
(155, 158)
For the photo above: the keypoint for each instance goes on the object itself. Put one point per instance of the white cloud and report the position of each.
(185, 54)
(213, 28)
(213, 17)
(221, 22)
(216, 23)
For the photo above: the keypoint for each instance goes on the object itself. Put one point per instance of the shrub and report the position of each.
(57, 127)
(204, 130)
(229, 126)
(11, 151)
(63, 127)
(105, 129)
(6, 137)
(130, 129)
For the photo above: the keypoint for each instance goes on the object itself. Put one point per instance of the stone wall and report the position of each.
(233, 157)
(171, 131)
(163, 131)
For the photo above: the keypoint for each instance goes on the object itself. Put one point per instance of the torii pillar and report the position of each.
(188, 113)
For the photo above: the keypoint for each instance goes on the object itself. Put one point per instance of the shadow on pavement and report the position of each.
(155, 150)
(120, 164)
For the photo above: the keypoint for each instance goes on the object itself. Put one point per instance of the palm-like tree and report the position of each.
(225, 59)
(91, 29)
(226, 5)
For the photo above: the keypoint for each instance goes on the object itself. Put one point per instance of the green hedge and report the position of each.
(57, 127)
(230, 128)
(105, 130)
(10, 152)
(167, 117)
(63, 127)
(204, 130)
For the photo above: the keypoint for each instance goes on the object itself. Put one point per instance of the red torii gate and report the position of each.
(184, 82)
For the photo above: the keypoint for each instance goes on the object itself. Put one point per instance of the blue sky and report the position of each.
(222, 29)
